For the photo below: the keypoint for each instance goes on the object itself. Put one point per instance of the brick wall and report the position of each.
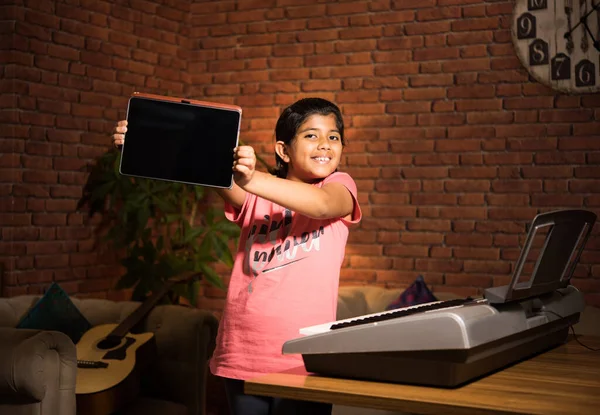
(71, 66)
(453, 147)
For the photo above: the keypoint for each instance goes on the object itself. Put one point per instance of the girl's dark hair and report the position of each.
(292, 118)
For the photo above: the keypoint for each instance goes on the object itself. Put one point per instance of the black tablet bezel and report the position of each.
(222, 145)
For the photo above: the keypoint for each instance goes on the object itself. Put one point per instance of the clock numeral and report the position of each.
(538, 53)
(561, 67)
(537, 4)
(585, 73)
(526, 26)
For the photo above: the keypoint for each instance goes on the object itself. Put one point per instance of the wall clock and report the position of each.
(558, 42)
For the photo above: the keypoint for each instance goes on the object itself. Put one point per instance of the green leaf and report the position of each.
(192, 234)
(193, 287)
(227, 227)
(173, 217)
(157, 187)
(211, 276)
(222, 243)
(102, 191)
(199, 192)
(205, 248)
(209, 216)
(135, 269)
(115, 162)
(140, 291)
(149, 252)
(143, 214)
(127, 280)
(163, 205)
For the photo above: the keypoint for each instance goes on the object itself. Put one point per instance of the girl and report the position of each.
(294, 228)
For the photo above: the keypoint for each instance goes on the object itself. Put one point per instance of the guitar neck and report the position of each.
(125, 327)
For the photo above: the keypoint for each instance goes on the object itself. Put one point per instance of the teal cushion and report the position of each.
(56, 312)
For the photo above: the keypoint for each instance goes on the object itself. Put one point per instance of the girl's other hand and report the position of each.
(118, 136)
(244, 164)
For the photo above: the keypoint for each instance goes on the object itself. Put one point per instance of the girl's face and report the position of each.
(315, 151)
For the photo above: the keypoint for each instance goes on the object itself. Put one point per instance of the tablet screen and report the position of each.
(180, 141)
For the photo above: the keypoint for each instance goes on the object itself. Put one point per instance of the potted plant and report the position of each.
(164, 229)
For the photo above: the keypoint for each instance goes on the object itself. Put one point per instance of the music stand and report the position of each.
(558, 257)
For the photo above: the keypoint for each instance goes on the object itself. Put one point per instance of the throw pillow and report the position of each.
(416, 293)
(55, 311)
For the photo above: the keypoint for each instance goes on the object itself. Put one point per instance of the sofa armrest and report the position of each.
(185, 339)
(38, 366)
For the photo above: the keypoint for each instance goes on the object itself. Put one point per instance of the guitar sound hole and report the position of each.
(108, 343)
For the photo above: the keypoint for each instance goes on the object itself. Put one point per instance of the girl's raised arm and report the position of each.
(333, 200)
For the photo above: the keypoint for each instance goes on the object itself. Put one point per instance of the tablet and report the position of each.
(180, 140)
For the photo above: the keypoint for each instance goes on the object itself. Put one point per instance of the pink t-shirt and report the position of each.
(285, 277)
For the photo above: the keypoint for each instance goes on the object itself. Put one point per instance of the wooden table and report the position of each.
(562, 381)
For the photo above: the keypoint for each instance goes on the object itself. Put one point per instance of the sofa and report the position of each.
(174, 384)
(37, 372)
(355, 301)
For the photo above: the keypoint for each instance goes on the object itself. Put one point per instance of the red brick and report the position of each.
(349, 46)
(409, 107)
(395, 43)
(487, 91)
(66, 191)
(425, 28)
(564, 200)
(413, 4)
(489, 117)
(487, 267)
(435, 53)
(579, 143)
(471, 37)
(585, 186)
(431, 80)
(348, 8)
(559, 158)
(352, 71)
(476, 24)
(439, 13)
(473, 64)
(51, 261)
(441, 119)
(520, 130)
(578, 115)
(547, 172)
(587, 172)
(357, 33)
(473, 51)
(471, 199)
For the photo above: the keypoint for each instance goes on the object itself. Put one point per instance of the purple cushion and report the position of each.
(417, 293)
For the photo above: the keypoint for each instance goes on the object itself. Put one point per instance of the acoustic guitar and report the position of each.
(110, 359)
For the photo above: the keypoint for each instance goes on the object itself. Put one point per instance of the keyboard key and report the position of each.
(402, 312)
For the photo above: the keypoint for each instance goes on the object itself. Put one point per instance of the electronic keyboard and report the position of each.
(449, 343)
(444, 346)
